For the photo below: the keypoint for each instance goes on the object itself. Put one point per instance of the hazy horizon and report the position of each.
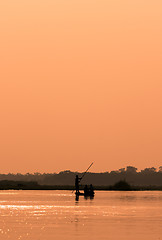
(82, 171)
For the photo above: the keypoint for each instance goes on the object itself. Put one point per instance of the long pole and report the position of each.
(86, 171)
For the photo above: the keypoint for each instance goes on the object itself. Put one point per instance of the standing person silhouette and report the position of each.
(77, 180)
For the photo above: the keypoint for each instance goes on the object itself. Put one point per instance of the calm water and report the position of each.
(41, 215)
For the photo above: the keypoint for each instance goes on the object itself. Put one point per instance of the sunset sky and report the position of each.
(80, 81)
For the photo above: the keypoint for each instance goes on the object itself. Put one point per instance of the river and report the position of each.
(49, 215)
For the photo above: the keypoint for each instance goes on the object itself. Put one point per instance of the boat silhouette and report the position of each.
(85, 194)
(88, 191)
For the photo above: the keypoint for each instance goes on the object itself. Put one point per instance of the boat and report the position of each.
(85, 194)
(88, 191)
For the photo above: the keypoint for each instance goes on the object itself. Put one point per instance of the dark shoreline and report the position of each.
(17, 185)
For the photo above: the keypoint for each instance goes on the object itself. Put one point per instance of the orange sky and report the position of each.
(80, 81)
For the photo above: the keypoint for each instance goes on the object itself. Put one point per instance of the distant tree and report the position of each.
(149, 170)
(67, 171)
(153, 169)
(114, 172)
(160, 169)
(64, 172)
(131, 169)
(122, 185)
(27, 174)
(37, 174)
(122, 170)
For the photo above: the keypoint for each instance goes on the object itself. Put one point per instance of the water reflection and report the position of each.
(85, 197)
(55, 214)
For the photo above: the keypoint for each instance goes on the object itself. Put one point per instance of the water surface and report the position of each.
(49, 215)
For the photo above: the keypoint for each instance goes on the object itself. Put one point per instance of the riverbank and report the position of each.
(120, 186)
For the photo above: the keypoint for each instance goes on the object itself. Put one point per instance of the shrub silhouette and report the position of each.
(122, 186)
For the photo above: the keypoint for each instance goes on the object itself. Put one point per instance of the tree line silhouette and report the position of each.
(146, 177)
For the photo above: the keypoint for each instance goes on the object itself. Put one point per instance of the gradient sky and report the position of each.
(80, 81)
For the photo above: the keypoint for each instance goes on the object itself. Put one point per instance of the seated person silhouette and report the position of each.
(91, 190)
(86, 190)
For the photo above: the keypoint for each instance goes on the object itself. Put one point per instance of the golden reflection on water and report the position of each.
(42, 215)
